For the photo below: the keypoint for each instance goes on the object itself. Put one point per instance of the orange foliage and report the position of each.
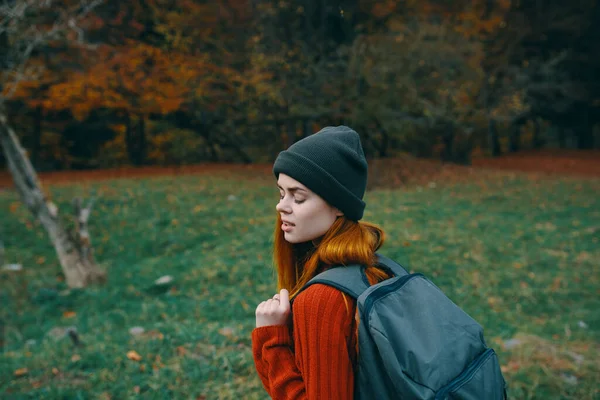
(135, 77)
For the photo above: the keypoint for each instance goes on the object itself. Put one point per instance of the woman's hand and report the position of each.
(275, 311)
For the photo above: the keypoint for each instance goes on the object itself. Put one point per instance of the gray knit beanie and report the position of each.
(332, 164)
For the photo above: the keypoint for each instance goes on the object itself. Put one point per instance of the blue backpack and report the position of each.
(413, 341)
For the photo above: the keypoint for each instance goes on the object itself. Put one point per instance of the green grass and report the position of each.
(522, 256)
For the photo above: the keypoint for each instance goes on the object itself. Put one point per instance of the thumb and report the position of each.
(284, 298)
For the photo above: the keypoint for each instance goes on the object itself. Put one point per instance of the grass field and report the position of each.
(520, 254)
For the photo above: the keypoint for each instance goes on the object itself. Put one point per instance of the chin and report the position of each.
(291, 239)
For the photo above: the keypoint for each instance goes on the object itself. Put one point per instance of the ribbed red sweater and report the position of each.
(315, 359)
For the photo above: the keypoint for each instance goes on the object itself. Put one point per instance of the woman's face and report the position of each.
(305, 215)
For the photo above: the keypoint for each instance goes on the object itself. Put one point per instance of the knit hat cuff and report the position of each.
(322, 183)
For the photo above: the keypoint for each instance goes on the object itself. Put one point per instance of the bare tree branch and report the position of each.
(26, 27)
(22, 23)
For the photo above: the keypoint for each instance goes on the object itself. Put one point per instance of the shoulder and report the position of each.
(319, 299)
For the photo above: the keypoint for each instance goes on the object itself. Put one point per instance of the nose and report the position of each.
(283, 206)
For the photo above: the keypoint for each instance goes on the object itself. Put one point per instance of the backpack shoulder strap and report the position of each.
(349, 279)
(392, 265)
(352, 279)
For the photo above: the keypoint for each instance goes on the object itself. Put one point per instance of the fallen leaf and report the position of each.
(154, 334)
(523, 285)
(75, 358)
(583, 256)
(136, 330)
(133, 355)
(493, 301)
(12, 267)
(21, 372)
(512, 366)
(163, 280)
(69, 314)
(556, 283)
(512, 343)
(569, 379)
(226, 331)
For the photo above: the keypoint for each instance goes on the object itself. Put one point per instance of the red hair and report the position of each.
(346, 242)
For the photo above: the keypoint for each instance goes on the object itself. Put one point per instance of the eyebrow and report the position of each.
(293, 189)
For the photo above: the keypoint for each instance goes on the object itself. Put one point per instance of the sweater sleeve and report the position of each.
(318, 362)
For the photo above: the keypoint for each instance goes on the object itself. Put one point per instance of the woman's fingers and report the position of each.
(284, 298)
(274, 311)
(273, 305)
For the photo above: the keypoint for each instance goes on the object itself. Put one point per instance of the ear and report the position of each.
(338, 213)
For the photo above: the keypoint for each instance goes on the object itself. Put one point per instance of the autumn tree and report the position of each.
(149, 65)
(297, 67)
(543, 53)
(28, 29)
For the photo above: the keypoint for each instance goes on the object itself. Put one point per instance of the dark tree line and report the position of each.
(240, 80)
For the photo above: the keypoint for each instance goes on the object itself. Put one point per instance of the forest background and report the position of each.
(159, 82)
(166, 115)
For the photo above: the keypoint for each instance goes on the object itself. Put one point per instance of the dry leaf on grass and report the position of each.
(227, 331)
(133, 355)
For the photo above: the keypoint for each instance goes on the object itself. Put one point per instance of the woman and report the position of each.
(309, 351)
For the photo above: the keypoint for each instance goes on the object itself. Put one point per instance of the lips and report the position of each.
(287, 226)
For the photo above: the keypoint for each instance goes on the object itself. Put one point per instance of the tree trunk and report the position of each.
(585, 137)
(230, 140)
(73, 249)
(279, 133)
(367, 139)
(448, 136)
(135, 140)
(306, 127)
(129, 138)
(210, 143)
(585, 132)
(538, 142)
(37, 136)
(141, 140)
(515, 138)
(385, 139)
(493, 137)
(562, 137)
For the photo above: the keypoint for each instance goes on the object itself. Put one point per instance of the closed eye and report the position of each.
(281, 196)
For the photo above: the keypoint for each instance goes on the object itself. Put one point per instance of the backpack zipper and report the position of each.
(466, 375)
(383, 290)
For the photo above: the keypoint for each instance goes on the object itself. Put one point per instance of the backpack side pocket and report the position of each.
(482, 379)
